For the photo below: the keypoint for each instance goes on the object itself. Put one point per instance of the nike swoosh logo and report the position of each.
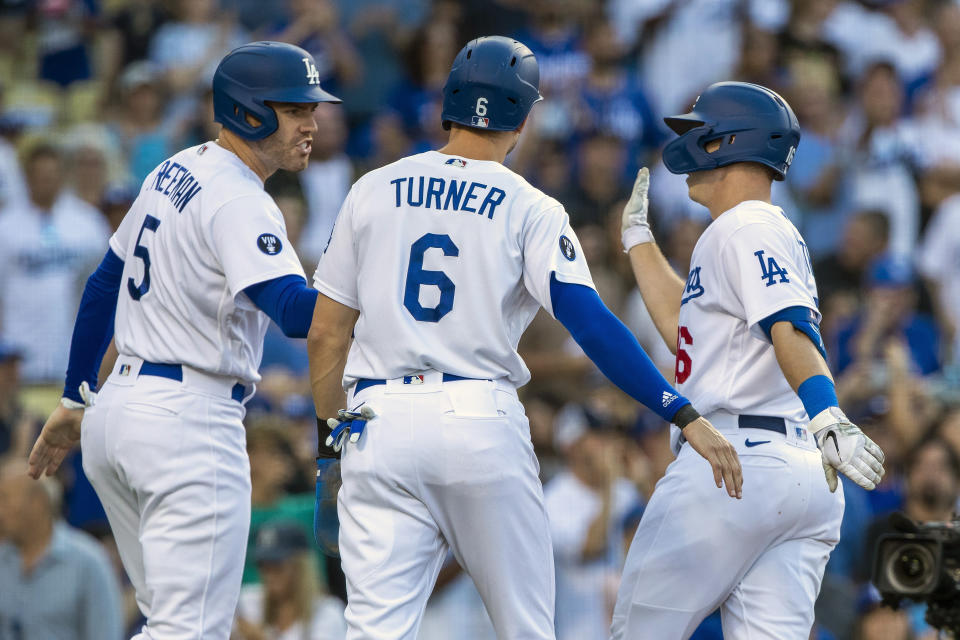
(755, 443)
(836, 445)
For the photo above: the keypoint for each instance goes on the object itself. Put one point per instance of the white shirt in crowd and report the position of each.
(586, 589)
(327, 622)
(44, 257)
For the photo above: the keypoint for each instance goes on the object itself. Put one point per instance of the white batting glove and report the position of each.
(846, 449)
(348, 425)
(634, 228)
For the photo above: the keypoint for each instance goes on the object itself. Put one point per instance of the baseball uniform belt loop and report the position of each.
(768, 423)
(175, 372)
(366, 383)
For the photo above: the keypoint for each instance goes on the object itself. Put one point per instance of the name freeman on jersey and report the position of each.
(442, 194)
(177, 183)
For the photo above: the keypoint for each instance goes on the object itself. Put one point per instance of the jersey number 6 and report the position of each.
(684, 363)
(417, 277)
(141, 251)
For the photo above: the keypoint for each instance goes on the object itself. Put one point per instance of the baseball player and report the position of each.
(196, 270)
(744, 327)
(437, 264)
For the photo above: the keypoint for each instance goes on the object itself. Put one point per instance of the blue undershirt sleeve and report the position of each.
(803, 319)
(613, 348)
(93, 328)
(288, 301)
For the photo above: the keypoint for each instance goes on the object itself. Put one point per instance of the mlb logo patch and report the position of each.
(124, 370)
(412, 379)
(801, 433)
(457, 162)
(478, 121)
(202, 149)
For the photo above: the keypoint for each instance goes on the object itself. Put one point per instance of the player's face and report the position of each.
(700, 183)
(289, 146)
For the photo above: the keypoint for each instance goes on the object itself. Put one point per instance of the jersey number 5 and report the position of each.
(417, 277)
(141, 251)
(684, 363)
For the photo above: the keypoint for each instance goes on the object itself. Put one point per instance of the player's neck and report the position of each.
(736, 189)
(242, 150)
(467, 144)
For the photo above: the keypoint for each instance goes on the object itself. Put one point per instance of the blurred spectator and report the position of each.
(64, 30)
(89, 171)
(599, 181)
(13, 187)
(880, 154)
(867, 32)
(587, 505)
(379, 29)
(939, 262)
(890, 313)
(841, 275)
(141, 127)
(314, 25)
(46, 247)
(55, 581)
(612, 101)
(187, 49)
(273, 470)
(17, 426)
(325, 182)
(880, 623)
(127, 33)
(291, 604)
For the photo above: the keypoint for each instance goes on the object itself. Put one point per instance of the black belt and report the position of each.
(768, 423)
(364, 383)
(175, 372)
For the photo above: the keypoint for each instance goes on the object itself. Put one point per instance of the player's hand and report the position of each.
(846, 449)
(634, 228)
(348, 423)
(326, 524)
(718, 451)
(60, 434)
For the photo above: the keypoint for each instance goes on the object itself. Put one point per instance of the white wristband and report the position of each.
(72, 404)
(632, 236)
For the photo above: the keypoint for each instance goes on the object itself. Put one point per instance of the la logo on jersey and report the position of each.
(769, 269)
(313, 76)
(269, 244)
(694, 288)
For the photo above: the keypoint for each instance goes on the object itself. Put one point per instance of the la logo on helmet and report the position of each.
(313, 76)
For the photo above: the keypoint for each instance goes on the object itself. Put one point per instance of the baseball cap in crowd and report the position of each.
(138, 74)
(572, 422)
(279, 540)
(9, 352)
(890, 272)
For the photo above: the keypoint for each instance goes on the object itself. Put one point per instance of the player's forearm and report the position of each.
(797, 356)
(660, 287)
(328, 342)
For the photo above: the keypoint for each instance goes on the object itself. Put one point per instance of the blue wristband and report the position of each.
(817, 393)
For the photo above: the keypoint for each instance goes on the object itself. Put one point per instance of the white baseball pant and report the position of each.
(759, 559)
(444, 466)
(168, 461)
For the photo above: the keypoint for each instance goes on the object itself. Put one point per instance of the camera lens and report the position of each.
(910, 569)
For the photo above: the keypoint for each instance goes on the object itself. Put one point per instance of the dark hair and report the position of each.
(41, 150)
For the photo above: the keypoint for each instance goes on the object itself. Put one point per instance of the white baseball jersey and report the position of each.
(200, 232)
(400, 252)
(749, 263)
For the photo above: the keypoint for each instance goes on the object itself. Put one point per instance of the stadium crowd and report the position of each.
(95, 93)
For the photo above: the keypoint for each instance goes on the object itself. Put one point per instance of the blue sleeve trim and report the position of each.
(288, 301)
(803, 319)
(613, 348)
(93, 328)
(817, 393)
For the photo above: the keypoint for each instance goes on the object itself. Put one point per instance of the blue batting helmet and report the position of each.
(493, 85)
(251, 74)
(753, 123)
